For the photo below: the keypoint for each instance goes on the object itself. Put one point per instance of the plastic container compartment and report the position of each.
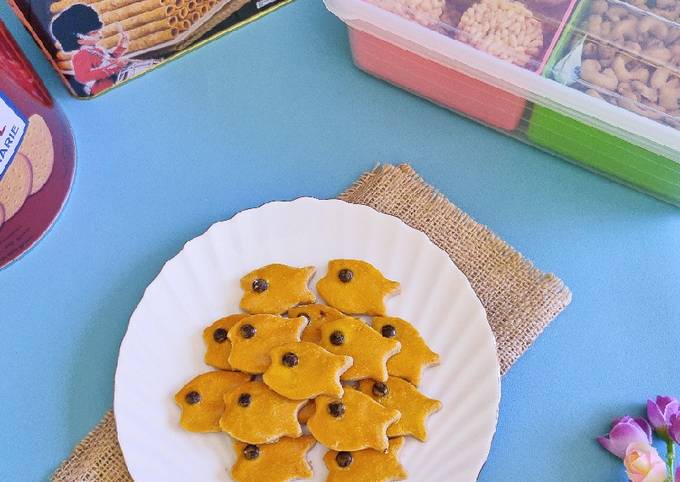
(625, 55)
(519, 66)
(37, 154)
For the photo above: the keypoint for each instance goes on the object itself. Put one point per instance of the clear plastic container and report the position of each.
(594, 81)
(37, 154)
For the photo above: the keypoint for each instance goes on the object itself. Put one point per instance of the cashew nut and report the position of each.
(593, 24)
(625, 29)
(616, 13)
(673, 35)
(591, 71)
(645, 92)
(599, 7)
(660, 54)
(651, 24)
(619, 65)
(659, 78)
(675, 49)
(590, 50)
(669, 95)
(631, 101)
(606, 55)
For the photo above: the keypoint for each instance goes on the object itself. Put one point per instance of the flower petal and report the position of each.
(657, 473)
(630, 432)
(646, 428)
(674, 428)
(654, 414)
(611, 446)
(663, 401)
(671, 409)
(643, 463)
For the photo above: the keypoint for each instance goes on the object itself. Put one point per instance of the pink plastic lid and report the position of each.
(37, 154)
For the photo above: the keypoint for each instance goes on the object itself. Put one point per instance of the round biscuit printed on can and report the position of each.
(38, 148)
(15, 185)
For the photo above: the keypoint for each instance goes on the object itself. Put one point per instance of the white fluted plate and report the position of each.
(163, 346)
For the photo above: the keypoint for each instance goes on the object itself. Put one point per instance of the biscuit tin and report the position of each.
(37, 154)
(98, 44)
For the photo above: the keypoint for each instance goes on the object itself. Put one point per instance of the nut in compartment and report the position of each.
(630, 57)
(519, 31)
(425, 12)
(504, 28)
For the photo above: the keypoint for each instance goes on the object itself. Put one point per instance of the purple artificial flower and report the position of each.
(674, 429)
(677, 475)
(625, 431)
(660, 411)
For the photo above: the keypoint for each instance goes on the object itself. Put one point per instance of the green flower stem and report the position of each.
(670, 451)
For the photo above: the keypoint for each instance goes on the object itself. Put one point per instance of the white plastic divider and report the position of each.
(409, 35)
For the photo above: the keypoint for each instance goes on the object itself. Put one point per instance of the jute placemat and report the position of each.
(520, 300)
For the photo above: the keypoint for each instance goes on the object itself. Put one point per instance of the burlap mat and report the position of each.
(520, 300)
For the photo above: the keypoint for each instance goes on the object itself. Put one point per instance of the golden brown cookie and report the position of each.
(355, 287)
(369, 350)
(15, 186)
(255, 414)
(317, 316)
(202, 399)
(218, 346)
(366, 465)
(306, 412)
(401, 395)
(353, 422)
(304, 370)
(254, 336)
(37, 146)
(282, 461)
(414, 356)
(275, 288)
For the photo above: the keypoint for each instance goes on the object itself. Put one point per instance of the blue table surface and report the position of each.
(277, 110)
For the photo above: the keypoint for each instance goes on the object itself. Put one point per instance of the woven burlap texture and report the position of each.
(520, 300)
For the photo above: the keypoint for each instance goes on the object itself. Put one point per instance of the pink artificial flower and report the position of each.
(674, 429)
(643, 463)
(625, 431)
(660, 411)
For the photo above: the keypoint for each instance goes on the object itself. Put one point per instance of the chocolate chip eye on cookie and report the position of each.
(353, 384)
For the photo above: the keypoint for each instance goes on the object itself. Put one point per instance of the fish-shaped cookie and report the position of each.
(317, 315)
(414, 356)
(353, 422)
(355, 287)
(275, 288)
(399, 394)
(255, 414)
(282, 461)
(202, 399)
(369, 350)
(306, 412)
(366, 465)
(304, 370)
(218, 346)
(253, 337)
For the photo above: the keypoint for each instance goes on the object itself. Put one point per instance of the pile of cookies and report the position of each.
(352, 384)
(29, 170)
